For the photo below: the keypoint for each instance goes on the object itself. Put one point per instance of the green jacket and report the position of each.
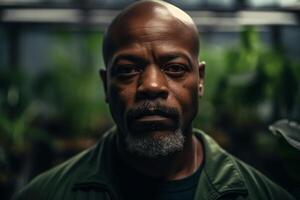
(90, 176)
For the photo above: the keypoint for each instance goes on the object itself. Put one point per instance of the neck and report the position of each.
(176, 166)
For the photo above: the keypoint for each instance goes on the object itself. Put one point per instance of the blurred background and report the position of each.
(51, 98)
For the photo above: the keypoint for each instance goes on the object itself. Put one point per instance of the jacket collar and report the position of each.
(219, 175)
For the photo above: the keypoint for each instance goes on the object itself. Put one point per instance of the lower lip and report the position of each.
(150, 118)
(151, 122)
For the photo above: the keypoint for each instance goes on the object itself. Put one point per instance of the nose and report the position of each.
(152, 84)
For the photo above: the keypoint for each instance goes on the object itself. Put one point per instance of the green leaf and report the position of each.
(289, 130)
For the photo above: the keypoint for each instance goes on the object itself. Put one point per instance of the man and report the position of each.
(152, 83)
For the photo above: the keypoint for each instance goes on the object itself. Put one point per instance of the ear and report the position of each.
(201, 69)
(103, 77)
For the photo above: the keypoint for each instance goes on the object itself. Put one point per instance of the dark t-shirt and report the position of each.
(137, 186)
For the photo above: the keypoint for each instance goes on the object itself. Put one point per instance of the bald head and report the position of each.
(148, 19)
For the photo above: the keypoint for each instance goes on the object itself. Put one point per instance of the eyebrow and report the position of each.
(161, 58)
(173, 55)
(129, 57)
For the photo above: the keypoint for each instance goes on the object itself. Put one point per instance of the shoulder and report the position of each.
(258, 184)
(59, 181)
(225, 170)
(56, 179)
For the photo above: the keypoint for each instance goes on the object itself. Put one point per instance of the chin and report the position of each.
(155, 144)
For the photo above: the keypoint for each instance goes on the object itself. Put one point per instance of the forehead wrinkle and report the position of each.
(148, 36)
(145, 33)
(159, 25)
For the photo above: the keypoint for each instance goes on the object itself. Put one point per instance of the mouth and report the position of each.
(151, 117)
(152, 122)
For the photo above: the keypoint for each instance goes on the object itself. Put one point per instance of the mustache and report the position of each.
(152, 108)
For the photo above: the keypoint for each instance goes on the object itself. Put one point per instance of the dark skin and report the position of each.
(152, 56)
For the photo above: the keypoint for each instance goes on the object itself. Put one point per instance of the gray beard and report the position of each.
(151, 147)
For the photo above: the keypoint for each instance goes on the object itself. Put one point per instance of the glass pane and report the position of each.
(273, 3)
(265, 3)
(289, 3)
(291, 34)
(115, 4)
(202, 4)
(19, 1)
(33, 58)
(35, 2)
(3, 49)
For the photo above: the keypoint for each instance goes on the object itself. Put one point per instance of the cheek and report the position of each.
(187, 96)
(121, 96)
(118, 102)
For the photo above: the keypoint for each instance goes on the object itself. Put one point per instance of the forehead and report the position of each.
(155, 22)
(158, 34)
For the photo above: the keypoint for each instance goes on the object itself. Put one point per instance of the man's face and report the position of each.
(152, 85)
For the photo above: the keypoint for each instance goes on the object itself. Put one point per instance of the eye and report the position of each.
(175, 69)
(127, 70)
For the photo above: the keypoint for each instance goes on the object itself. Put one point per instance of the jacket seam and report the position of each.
(213, 191)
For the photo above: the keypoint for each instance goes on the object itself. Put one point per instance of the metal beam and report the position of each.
(103, 17)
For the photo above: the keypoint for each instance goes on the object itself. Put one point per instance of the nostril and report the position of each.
(152, 84)
(152, 92)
